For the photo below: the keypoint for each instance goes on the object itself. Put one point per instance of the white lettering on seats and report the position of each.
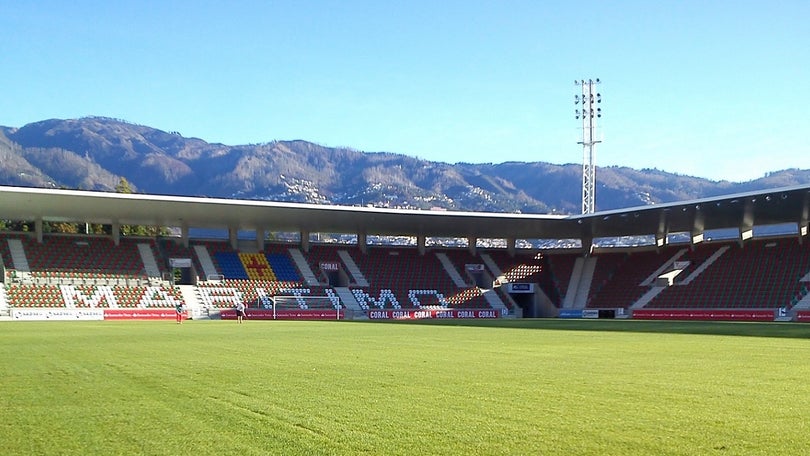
(413, 296)
(157, 297)
(220, 296)
(73, 297)
(386, 295)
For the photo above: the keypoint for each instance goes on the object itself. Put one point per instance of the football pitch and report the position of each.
(527, 387)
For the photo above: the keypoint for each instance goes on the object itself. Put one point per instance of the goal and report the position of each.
(303, 303)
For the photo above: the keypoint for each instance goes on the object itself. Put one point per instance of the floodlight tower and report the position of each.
(589, 112)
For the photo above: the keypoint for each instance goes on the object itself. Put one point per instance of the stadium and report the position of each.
(734, 257)
(478, 373)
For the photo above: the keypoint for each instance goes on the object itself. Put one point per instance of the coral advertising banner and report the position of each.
(284, 314)
(414, 314)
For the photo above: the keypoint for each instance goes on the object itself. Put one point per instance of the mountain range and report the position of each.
(95, 153)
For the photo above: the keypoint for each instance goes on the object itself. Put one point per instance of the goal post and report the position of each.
(305, 303)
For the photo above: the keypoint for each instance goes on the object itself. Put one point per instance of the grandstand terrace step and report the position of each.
(494, 269)
(495, 301)
(3, 301)
(705, 265)
(302, 265)
(650, 280)
(803, 303)
(18, 256)
(451, 270)
(347, 298)
(581, 280)
(149, 263)
(647, 297)
(193, 307)
(353, 269)
(209, 270)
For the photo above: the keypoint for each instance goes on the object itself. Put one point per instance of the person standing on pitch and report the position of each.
(240, 311)
(179, 310)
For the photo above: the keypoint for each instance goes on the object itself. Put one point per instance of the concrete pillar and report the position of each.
(38, 229)
(116, 233)
(305, 241)
(362, 242)
(260, 239)
(232, 237)
(511, 246)
(471, 245)
(184, 234)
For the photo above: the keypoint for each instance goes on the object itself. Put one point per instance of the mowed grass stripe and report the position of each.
(520, 387)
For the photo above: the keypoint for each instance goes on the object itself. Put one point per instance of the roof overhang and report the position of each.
(774, 206)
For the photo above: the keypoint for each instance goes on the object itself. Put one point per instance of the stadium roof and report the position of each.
(743, 210)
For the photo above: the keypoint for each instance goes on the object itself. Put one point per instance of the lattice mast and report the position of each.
(588, 112)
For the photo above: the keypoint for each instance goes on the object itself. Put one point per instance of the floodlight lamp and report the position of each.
(597, 80)
(576, 99)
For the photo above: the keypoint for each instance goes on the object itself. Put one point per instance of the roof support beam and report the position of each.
(260, 238)
(663, 230)
(471, 244)
(511, 246)
(747, 222)
(184, 233)
(305, 241)
(38, 229)
(698, 226)
(805, 218)
(233, 238)
(116, 233)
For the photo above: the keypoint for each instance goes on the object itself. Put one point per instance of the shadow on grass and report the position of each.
(716, 328)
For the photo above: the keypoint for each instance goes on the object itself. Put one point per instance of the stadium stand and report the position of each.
(759, 274)
(403, 278)
(80, 271)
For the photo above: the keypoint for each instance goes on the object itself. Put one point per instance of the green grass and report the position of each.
(508, 387)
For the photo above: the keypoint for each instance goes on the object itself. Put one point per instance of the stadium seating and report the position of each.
(84, 271)
(618, 277)
(403, 269)
(761, 274)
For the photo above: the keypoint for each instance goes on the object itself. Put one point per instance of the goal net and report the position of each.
(305, 302)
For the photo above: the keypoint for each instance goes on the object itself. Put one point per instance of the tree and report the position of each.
(123, 186)
(137, 230)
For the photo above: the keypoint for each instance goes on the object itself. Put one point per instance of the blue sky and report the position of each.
(711, 89)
